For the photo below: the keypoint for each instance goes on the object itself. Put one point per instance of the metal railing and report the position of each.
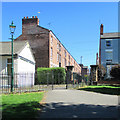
(28, 82)
(22, 82)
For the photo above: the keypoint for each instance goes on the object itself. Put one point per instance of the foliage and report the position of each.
(24, 105)
(101, 72)
(77, 77)
(115, 72)
(50, 75)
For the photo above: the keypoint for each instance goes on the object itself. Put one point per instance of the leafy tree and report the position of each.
(101, 72)
(115, 72)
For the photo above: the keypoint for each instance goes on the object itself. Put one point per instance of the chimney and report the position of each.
(28, 23)
(96, 58)
(101, 29)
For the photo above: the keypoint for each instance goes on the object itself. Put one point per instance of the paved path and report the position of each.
(79, 104)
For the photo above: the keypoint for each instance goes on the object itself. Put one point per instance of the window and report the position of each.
(109, 55)
(65, 53)
(69, 63)
(59, 47)
(59, 60)
(65, 62)
(57, 57)
(69, 57)
(51, 53)
(51, 40)
(9, 65)
(108, 43)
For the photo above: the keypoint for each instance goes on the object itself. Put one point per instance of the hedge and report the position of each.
(51, 75)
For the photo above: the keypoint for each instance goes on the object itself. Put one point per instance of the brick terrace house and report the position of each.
(109, 49)
(46, 47)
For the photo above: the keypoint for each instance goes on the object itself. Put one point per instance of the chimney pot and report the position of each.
(32, 16)
(27, 16)
(101, 29)
(36, 16)
(24, 17)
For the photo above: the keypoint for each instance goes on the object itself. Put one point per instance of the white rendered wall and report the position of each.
(27, 53)
(25, 69)
(25, 66)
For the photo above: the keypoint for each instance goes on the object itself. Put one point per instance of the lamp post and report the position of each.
(12, 30)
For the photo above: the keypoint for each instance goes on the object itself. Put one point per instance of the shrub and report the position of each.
(115, 72)
(77, 77)
(49, 75)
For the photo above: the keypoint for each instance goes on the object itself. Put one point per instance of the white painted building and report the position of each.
(24, 62)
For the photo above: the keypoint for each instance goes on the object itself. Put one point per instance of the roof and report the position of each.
(17, 47)
(110, 35)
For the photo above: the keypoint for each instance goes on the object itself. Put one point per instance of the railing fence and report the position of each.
(28, 82)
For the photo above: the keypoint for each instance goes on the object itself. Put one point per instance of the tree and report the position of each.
(101, 72)
(115, 72)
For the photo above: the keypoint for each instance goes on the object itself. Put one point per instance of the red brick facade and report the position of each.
(47, 49)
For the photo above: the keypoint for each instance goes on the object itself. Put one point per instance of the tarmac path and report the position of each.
(79, 104)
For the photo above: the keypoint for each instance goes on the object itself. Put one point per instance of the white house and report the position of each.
(24, 62)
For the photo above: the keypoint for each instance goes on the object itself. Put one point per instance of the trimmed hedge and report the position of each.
(51, 75)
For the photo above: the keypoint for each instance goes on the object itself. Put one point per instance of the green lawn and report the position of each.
(112, 90)
(24, 105)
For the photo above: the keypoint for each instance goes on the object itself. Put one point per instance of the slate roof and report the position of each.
(17, 47)
(110, 35)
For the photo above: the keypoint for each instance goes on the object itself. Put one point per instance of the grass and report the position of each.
(24, 105)
(111, 90)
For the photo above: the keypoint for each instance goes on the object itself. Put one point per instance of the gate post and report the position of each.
(69, 71)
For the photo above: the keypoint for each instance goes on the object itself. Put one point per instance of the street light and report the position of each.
(12, 30)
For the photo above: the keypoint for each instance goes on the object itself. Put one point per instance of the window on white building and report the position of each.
(9, 65)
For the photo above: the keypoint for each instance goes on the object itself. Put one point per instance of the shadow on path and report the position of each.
(104, 90)
(68, 110)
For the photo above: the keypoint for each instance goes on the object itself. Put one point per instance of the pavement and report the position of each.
(63, 103)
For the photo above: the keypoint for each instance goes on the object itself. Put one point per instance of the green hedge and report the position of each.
(49, 75)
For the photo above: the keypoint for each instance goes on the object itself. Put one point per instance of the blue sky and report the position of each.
(76, 24)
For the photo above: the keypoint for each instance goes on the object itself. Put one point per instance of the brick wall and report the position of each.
(38, 38)
(59, 50)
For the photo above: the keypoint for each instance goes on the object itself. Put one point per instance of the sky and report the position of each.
(76, 24)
